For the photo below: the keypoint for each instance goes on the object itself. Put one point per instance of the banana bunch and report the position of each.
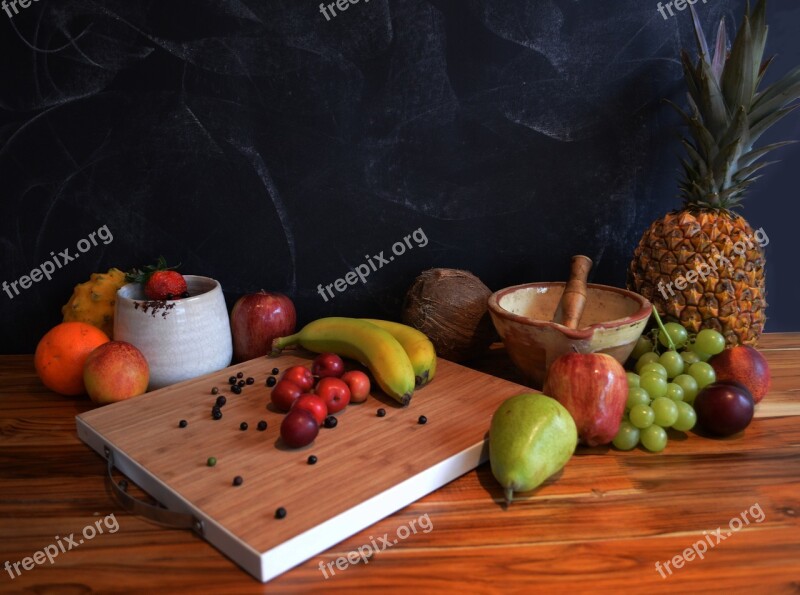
(400, 357)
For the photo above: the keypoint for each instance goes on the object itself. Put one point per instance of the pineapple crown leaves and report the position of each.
(727, 113)
(143, 275)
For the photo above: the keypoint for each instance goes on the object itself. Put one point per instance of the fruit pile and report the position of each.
(399, 357)
(676, 385)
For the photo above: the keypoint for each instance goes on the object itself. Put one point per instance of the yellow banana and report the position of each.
(419, 348)
(362, 341)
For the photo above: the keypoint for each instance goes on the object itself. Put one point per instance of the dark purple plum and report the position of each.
(724, 409)
(299, 428)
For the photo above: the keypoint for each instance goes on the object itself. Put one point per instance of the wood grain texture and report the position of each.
(598, 527)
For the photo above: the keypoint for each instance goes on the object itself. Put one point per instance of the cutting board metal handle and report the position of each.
(157, 514)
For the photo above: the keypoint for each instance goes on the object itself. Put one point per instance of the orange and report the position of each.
(61, 353)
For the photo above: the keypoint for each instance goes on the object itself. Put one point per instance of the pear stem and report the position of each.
(509, 493)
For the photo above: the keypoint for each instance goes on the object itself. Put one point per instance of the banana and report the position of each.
(419, 348)
(362, 341)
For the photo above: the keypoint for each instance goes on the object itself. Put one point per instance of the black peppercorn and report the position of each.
(221, 400)
(331, 421)
(262, 425)
(182, 424)
(422, 420)
(381, 412)
(280, 513)
(236, 389)
(237, 481)
(312, 460)
(271, 381)
(250, 380)
(275, 371)
(243, 426)
(240, 375)
(214, 390)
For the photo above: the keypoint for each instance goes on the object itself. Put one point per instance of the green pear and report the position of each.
(531, 437)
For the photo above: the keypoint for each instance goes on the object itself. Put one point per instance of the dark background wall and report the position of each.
(259, 143)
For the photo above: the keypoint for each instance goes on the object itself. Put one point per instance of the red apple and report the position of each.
(314, 404)
(746, 366)
(299, 428)
(257, 319)
(336, 393)
(593, 387)
(284, 394)
(327, 365)
(115, 371)
(724, 409)
(359, 385)
(301, 376)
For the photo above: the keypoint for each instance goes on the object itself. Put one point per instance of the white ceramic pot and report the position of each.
(181, 339)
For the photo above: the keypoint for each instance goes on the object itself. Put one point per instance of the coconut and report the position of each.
(451, 307)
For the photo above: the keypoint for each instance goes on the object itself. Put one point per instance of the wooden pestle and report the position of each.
(573, 300)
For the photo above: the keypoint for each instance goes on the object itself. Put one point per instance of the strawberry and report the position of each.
(160, 281)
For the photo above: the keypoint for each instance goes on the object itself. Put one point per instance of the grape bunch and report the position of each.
(666, 381)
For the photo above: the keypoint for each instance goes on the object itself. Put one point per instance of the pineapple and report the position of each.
(726, 116)
(93, 302)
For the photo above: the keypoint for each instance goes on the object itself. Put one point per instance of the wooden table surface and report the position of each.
(600, 526)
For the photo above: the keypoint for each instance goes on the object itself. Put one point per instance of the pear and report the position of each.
(531, 437)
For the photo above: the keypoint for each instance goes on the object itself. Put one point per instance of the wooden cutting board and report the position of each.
(368, 467)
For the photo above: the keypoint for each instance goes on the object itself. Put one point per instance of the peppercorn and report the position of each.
(280, 513)
(237, 481)
(240, 384)
(183, 423)
(381, 412)
(214, 390)
(271, 381)
(422, 420)
(262, 425)
(275, 371)
(211, 461)
(236, 389)
(240, 375)
(331, 421)
(250, 380)
(243, 426)
(232, 380)
(312, 460)
(221, 400)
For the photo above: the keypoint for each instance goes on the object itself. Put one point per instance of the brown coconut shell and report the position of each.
(451, 307)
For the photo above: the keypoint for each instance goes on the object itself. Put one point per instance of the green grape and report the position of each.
(627, 437)
(637, 396)
(702, 355)
(653, 438)
(672, 363)
(647, 358)
(633, 379)
(653, 367)
(689, 386)
(676, 332)
(686, 417)
(710, 341)
(655, 385)
(642, 416)
(675, 391)
(666, 411)
(689, 357)
(643, 345)
(702, 372)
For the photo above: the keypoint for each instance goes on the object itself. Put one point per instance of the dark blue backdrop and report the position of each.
(259, 143)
